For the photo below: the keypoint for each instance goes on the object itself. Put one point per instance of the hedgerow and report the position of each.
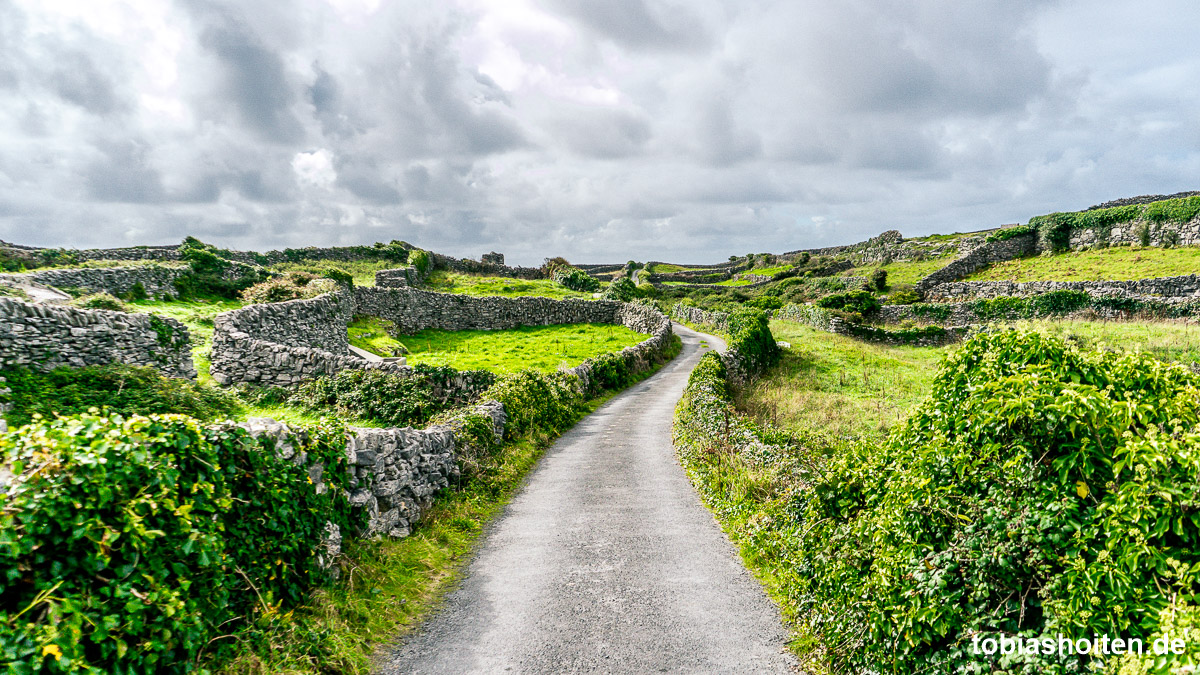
(209, 274)
(1039, 490)
(861, 302)
(118, 388)
(1055, 228)
(751, 340)
(127, 545)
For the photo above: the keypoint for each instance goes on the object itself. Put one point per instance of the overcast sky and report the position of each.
(600, 130)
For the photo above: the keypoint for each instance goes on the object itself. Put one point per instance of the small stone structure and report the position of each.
(45, 337)
(492, 258)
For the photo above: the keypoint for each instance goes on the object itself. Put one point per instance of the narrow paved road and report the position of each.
(606, 562)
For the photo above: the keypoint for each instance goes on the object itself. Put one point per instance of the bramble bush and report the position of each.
(290, 286)
(622, 290)
(1039, 490)
(128, 544)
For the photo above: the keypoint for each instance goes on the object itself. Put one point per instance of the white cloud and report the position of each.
(315, 168)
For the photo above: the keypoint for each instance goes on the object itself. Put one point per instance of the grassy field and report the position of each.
(374, 335)
(848, 387)
(909, 272)
(503, 351)
(1118, 263)
(668, 268)
(838, 384)
(198, 317)
(466, 284)
(363, 271)
(770, 271)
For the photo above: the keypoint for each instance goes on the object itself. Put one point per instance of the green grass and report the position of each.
(838, 384)
(543, 348)
(363, 271)
(290, 414)
(668, 268)
(466, 284)
(908, 272)
(1118, 263)
(198, 316)
(732, 282)
(374, 335)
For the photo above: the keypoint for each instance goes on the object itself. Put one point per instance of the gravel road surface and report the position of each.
(606, 562)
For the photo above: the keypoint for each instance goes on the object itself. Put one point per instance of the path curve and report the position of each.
(606, 562)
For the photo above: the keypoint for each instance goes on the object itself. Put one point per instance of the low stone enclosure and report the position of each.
(45, 337)
(156, 280)
(280, 344)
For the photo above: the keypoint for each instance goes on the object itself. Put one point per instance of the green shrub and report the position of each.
(851, 301)
(904, 296)
(291, 286)
(576, 280)
(128, 545)
(1143, 234)
(420, 260)
(1012, 232)
(1039, 490)
(210, 274)
(117, 388)
(765, 302)
(100, 301)
(621, 289)
(138, 292)
(878, 279)
(610, 371)
(339, 276)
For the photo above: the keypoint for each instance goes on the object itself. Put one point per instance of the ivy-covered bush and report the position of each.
(421, 260)
(536, 402)
(1039, 490)
(878, 279)
(576, 279)
(751, 339)
(118, 388)
(128, 544)
(389, 398)
(861, 302)
(621, 289)
(1012, 232)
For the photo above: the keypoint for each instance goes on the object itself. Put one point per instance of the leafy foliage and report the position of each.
(211, 274)
(750, 338)
(537, 403)
(389, 398)
(1012, 232)
(127, 544)
(118, 388)
(421, 260)
(878, 279)
(1039, 490)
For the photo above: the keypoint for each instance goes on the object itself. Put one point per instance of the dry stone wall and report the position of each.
(468, 266)
(415, 310)
(45, 337)
(1165, 287)
(1160, 234)
(988, 253)
(157, 280)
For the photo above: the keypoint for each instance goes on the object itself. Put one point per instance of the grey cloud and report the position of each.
(124, 174)
(637, 24)
(603, 133)
(253, 79)
(76, 79)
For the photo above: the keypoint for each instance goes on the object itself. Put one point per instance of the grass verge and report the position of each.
(197, 315)
(390, 585)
